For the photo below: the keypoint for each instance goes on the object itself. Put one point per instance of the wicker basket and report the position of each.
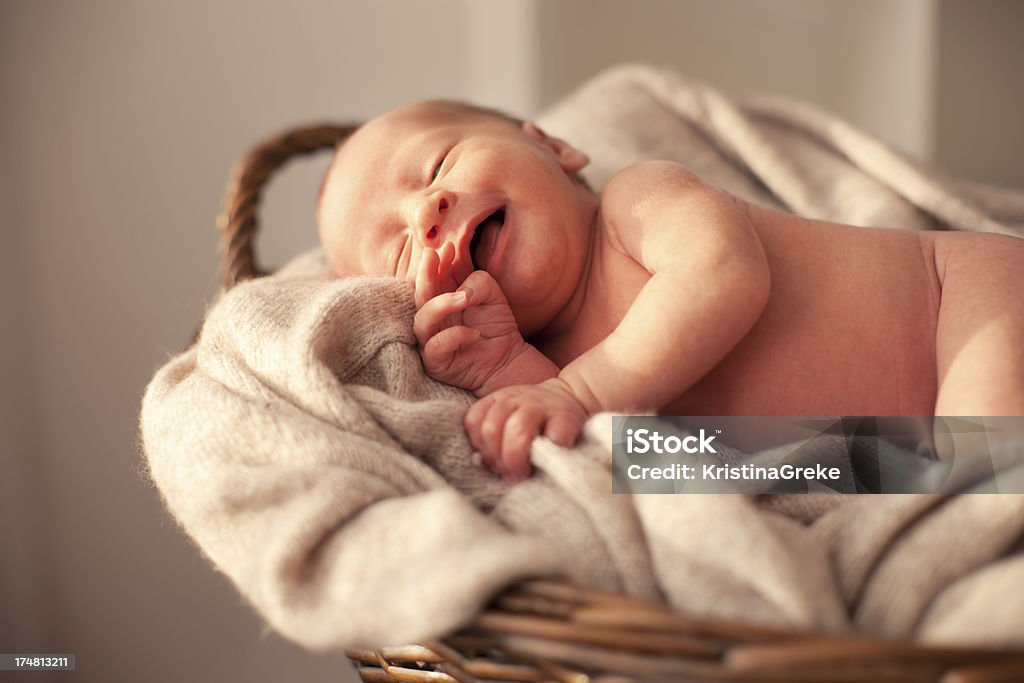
(553, 631)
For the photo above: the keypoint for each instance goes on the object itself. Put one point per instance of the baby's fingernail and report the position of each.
(468, 292)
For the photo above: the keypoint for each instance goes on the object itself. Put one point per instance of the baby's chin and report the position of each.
(533, 313)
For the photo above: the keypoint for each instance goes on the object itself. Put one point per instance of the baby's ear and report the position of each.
(569, 158)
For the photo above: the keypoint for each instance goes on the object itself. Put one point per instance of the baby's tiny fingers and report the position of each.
(474, 421)
(520, 430)
(445, 256)
(486, 288)
(426, 278)
(562, 428)
(433, 315)
(446, 280)
(440, 348)
(492, 428)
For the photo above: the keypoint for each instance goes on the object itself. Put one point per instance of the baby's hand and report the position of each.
(436, 274)
(502, 425)
(466, 334)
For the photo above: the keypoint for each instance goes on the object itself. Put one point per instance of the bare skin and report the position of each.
(665, 293)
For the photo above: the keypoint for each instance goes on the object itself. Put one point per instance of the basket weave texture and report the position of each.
(544, 630)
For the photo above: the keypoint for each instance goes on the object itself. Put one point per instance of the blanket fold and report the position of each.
(303, 449)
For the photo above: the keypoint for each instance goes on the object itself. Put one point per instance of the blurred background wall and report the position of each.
(120, 121)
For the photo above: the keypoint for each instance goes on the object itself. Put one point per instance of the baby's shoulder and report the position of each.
(664, 201)
(647, 179)
(649, 188)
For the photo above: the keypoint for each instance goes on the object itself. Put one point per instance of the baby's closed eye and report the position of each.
(437, 168)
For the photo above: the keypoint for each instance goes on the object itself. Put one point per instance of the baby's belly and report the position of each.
(849, 332)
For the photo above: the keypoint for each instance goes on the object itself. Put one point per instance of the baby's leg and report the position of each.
(979, 341)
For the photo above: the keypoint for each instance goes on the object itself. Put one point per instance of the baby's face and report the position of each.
(433, 173)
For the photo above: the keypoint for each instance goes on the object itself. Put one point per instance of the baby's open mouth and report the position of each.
(485, 239)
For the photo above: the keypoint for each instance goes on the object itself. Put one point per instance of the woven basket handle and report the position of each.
(238, 221)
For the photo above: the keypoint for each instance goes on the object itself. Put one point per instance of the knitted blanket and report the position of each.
(303, 449)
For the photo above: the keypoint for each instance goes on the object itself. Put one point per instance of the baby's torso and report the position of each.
(849, 327)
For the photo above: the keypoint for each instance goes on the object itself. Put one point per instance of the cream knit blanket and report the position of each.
(303, 449)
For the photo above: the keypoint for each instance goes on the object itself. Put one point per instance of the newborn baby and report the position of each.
(552, 303)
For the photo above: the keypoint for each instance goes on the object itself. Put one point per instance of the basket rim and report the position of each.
(238, 220)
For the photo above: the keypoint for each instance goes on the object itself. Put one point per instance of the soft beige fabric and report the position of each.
(777, 152)
(303, 449)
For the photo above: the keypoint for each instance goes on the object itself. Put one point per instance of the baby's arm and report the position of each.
(709, 283)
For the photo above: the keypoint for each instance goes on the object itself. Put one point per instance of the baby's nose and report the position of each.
(432, 217)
